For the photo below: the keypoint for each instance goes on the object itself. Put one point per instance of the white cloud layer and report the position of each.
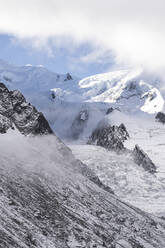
(134, 30)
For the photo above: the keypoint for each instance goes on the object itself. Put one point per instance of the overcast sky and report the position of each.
(84, 36)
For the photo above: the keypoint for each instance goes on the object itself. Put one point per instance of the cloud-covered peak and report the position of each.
(132, 30)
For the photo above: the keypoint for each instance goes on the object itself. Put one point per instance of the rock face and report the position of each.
(68, 77)
(57, 206)
(113, 137)
(5, 124)
(15, 111)
(79, 124)
(110, 137)
(160, 117)
(142, 159)
(109, 110)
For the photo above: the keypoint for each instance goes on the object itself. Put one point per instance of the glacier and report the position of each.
(70, 104)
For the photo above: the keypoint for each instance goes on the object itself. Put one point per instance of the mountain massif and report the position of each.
(49, 198)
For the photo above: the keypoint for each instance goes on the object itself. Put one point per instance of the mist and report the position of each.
(132, 30)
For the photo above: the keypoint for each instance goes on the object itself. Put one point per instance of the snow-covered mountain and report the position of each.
(74, 108)
(31, 79)
(123, 87)
(50, 199)
(130, 91)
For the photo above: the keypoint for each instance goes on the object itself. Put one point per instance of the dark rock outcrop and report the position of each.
(160, 117)
(15, 111)
(79, 124)
(113, 137)
(142, 159)
(53, 96)
(68, 77)
(5, 124)
(109, 110)
(110, 137)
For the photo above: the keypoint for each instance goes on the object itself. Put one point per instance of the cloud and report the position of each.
(97, 55)
(132, 30)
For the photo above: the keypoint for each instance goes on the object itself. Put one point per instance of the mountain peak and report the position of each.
(15, 110)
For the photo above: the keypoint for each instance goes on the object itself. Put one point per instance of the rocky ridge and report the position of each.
(16, 112)
(112, 138)
(109, 137)
(142, 159)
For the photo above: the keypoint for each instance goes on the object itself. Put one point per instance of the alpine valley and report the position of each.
(81, 160)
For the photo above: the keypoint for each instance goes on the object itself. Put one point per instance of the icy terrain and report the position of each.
(75, 107)
(62, 97)
(49, 200)
(130, 182)
(121, 87)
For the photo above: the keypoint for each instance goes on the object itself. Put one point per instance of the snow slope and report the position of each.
(31, 79)
(130, 91)
(136, 98)
(47, 199)
(130, 182)
(118, 86)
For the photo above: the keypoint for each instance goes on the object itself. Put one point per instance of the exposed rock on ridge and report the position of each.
(142, 159)
(113, 137)
(110, 137)
(160, 117)
(15, 111)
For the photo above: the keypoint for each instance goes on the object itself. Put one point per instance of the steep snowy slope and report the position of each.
(130, 91)
(123, 87)
(47, 202)
(129, 181)
(50, 199)
(120, 87)
(75, 108)
(33, 80)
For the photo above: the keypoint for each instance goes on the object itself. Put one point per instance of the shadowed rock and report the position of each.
(113, 137)
(110, 137)
(15, 111)
(68, 77)
(142, 159)
(5, 124)
(109, 110)
(160, 117)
